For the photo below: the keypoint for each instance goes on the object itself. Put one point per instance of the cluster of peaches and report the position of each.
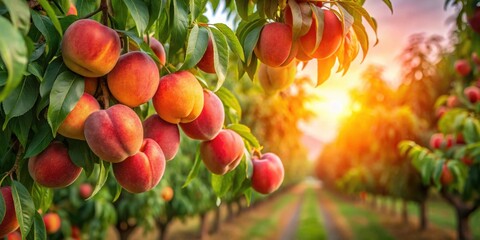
(279, 50)
(139, 150)
(471, 94)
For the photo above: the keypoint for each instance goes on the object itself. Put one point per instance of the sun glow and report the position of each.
(331, 104)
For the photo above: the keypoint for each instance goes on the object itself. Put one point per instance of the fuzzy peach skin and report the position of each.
(207, 63)
(90, 48)
(72, 10)
(276, 79)
(274, 44)
(156, 47)
(73, 125)
(179, 98)
(134, 80)
(9, 222)
(52, 222)
(223, 153)
(114, 134)
(210, 121)
(142, 171)
(267, 174)
(332, 37)
(53, 167)
(164, 133)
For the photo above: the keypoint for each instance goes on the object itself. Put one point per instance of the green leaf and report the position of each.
(155, 8)
(102, 177)
(13, 51)
(362, 37)
(245, 132)
(85, 7)
(120, 13)
(36, 70)
(232, 40)
(297, 19)
(196, 47)
(229, 100)
(139, 11)
(242, 8)
(389, 5)
(220, 55)
(51, 14)
(178, 25)
(221, 184)
(320, 21)
(40, 141)
(20, 100)
(118, 192)
(195, 168)
(54, 69)
(81, 155)
(250, 42)
(46, 27)
(42, 197)
(66, 91)
(38, 231)
(21, 127)
(197, 7)
(19, 13)
(24, 207)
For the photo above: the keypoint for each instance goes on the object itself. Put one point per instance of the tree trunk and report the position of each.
(216, 221)
(393, 207)
(124, 230)
(229, 211)
(239, 205)
(422, 211)
(203, 226)
(163, 227)
(463, 227)
(405, 211)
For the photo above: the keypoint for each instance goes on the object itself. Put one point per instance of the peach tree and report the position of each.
(102, 87)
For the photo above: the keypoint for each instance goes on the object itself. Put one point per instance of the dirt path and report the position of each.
(335, 224)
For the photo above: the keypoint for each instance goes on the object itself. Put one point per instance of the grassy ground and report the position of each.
(310, 225)
(364, 224)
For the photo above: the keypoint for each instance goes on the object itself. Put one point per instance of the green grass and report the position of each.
(363, 223)
(310, 225)
(263, 227)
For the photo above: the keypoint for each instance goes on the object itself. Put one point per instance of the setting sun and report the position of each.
(332, 104)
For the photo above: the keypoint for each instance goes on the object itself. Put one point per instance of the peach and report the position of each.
(472, 93)
(142, 171)
(332, 37)
(115, 133)
(52, 222)
(74, 123)
(85, 190)
(91, 85)
(274, 44)
(76, 233)
(207, 63)
(72, 10)
(452, 101)
(267, 174)
(134, 80)
(468, 161)
(463, 68)
(474, 20)
(156, 47)
(210, 121)
(164, 133)
(276, 79)
(14, 236)
(179, 98)
(436, 140)
(9, 222)
(446, 176)
(53, 167)
(223, 153)
(167, 193)
(449, 141)
(441, 111)
(90, 48)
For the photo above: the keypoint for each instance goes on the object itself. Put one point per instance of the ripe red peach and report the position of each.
(115, 133)
(156, 47)
(436, 140)
(223, 153)
(463, 68)
(14, 236)
(72, 10)
(167, 193)
(446, 176)
(452, 101)
(142, 171)
(276, 79)
(207, 63)
(74, 124)
(164, 133)
(91, 85)
(85, 190)
(52, 222)
(134, 80)
(267, 174)
(275, 44)
(90, 48)
(9, 222)
(179, 98)
(332, 37)
(472, 93)
(53, 167)
(210, 121)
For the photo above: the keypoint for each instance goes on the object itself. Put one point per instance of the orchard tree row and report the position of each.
(432, 117)
(99, 90)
